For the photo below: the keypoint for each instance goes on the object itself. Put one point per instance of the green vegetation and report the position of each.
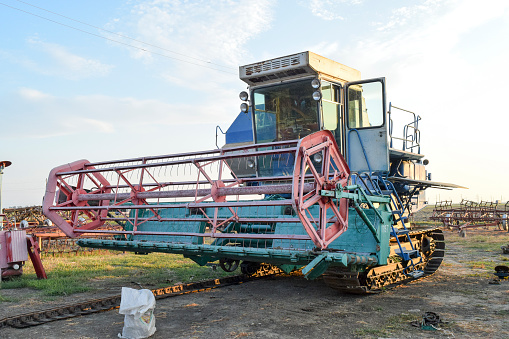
(74, 274)
(4, 299)
(488, 265)
(392, 325)
(486, 243)
(485, 271)
(400, 322)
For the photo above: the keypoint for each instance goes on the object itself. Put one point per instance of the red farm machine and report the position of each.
(15, 244)
(309, 179)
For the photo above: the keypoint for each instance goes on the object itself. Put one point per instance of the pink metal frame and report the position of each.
(79, 199)
(322, 231)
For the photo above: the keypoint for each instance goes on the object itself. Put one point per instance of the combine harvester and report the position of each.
(308, 179)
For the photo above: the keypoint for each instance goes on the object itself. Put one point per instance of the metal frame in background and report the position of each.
(471, 214)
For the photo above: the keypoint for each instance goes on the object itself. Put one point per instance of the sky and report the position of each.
(104, 80)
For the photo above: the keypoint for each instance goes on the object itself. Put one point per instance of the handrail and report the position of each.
(224, 133)
(411, 133)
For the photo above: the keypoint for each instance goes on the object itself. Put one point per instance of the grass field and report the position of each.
(83, 273)
(110, 270)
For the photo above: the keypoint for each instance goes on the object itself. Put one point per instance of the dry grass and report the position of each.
(74, 274)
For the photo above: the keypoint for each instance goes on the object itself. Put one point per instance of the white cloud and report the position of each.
(200, 30)
(404, 15)
(428, 72)
(326, 48)
(100, 126)
(211, 34)
(428, 41)
(53, 116)
(65, 64)
(43, 135)
(32, 94)
(322, 9)
(19, 59)
(329, 9)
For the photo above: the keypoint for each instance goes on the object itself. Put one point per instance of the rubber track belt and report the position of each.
(109, 303)
(343, 280)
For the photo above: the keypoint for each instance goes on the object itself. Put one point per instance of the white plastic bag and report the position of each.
(138, 307)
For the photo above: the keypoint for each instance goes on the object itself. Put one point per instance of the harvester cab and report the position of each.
(297, 95)
(293, 96)
(308, 180)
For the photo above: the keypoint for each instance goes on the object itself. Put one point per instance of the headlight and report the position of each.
(315, 83)
(318, 157)
(243, 96)
(244, 107)
(250, 163)
(317, 95)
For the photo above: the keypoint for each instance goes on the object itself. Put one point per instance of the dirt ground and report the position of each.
(290, 307)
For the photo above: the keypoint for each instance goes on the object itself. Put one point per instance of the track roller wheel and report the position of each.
(229, 265)
(249, 267)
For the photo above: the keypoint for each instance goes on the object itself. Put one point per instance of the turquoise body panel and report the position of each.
(356, 247)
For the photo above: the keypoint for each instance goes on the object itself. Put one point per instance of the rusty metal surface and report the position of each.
(51, 240)
(31, 214)
(471, 214)
(16, 246)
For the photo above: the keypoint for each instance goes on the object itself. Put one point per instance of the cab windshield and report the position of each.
(285, 112)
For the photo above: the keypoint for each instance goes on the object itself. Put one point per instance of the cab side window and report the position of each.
(330, 106)
(365, 105)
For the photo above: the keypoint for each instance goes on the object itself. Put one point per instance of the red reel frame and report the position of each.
(58, 188)
(334, 170)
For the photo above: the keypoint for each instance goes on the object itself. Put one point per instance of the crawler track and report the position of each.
(375, 280)
(108, 303)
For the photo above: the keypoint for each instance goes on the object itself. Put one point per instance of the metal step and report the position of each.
(415, 274)
(399, 231)
(407, 254)
(399, 217)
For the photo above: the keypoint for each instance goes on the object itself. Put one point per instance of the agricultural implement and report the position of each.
(51, 240)
(15, 245)
(471, 214)
(310, 179)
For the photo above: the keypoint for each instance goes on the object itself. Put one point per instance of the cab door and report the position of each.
(330, 112)
(366, 126)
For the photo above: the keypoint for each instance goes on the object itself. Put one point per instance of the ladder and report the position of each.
(412, 255)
